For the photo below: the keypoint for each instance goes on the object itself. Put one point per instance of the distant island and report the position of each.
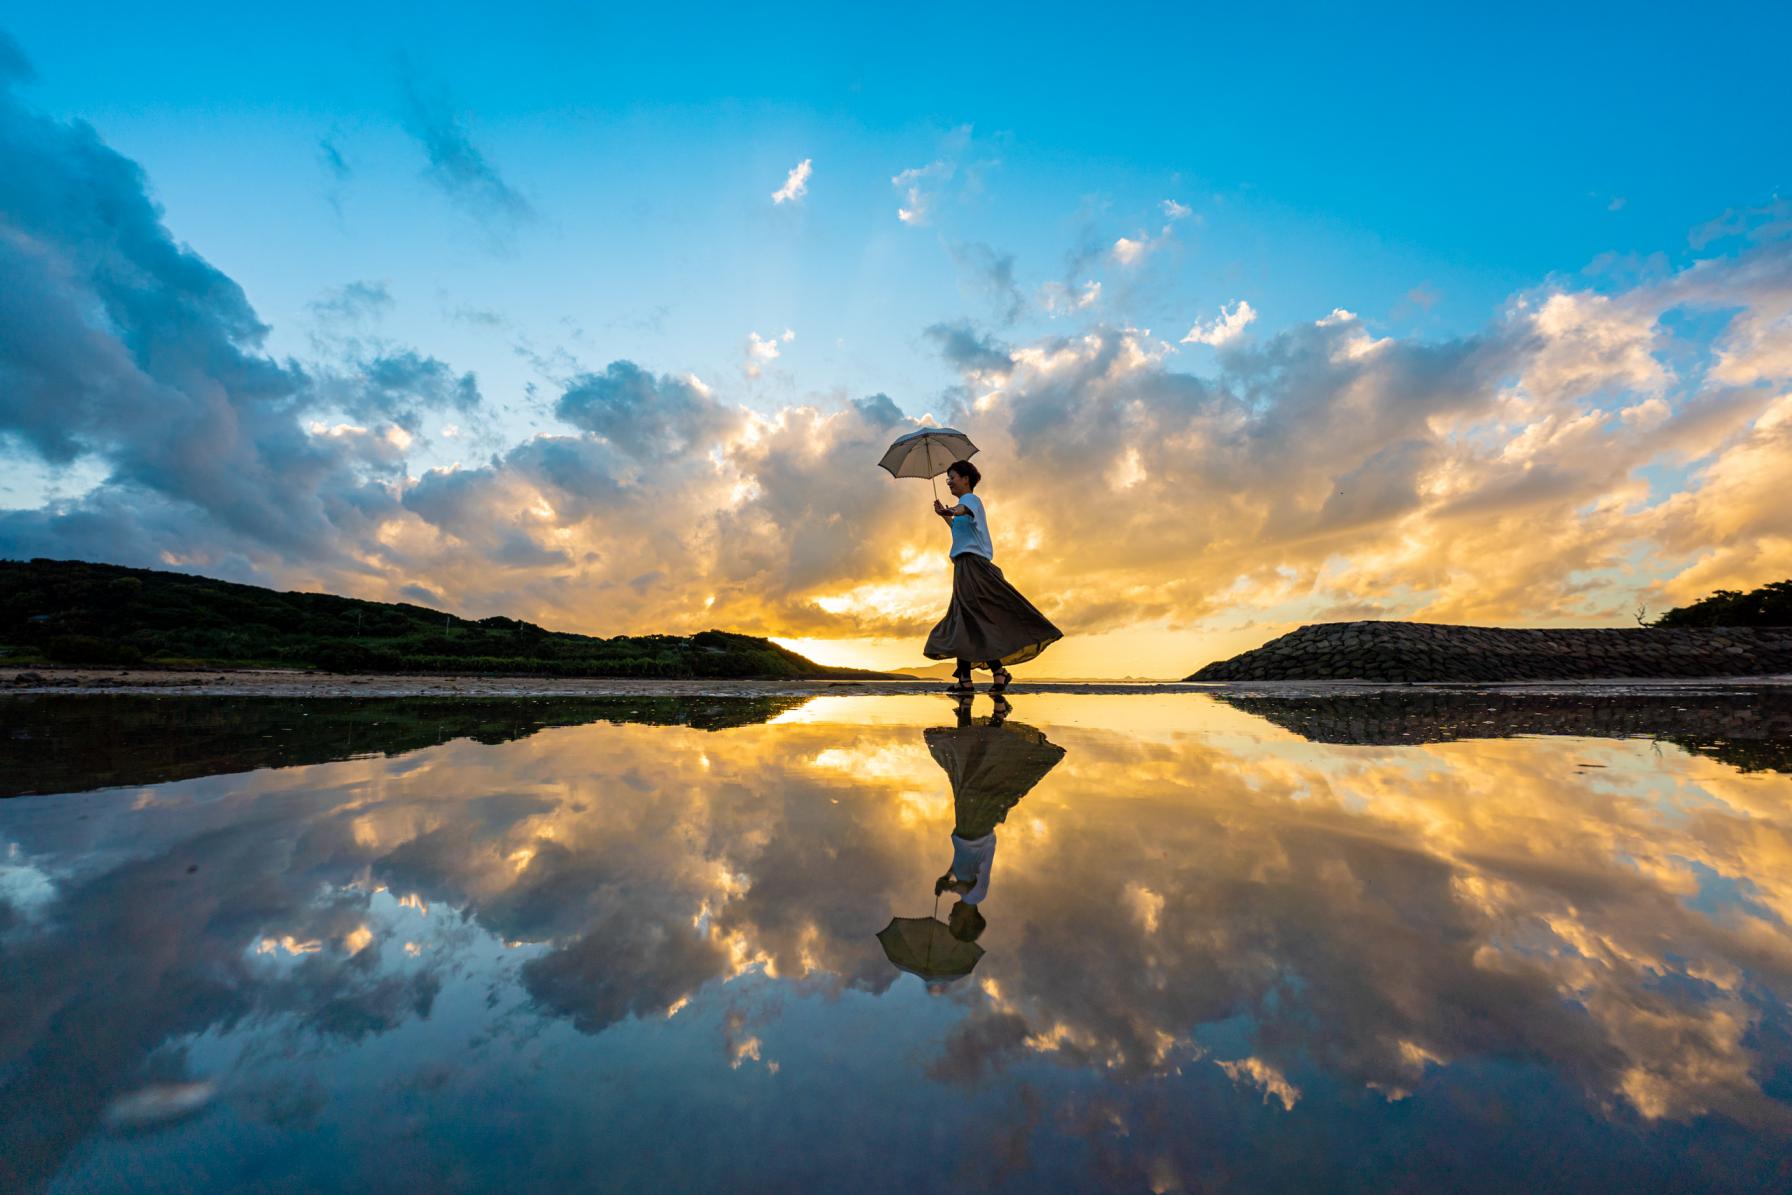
(77, 613)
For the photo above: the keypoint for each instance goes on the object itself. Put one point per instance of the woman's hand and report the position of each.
(939, 508)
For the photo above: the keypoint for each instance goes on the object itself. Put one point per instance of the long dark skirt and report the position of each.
(988, 622)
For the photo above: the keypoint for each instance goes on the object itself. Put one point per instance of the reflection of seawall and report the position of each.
(1751, 731)
(66, 743)
(1417, 651)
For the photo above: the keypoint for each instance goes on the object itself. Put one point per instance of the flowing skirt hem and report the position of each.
(988, 621)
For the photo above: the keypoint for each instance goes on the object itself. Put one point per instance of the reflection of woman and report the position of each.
(992, 764)
(989, 624)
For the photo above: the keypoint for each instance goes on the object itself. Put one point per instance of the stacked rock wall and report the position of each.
(1418, 651)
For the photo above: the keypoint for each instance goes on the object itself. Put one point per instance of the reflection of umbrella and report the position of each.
(927, 453)
(924, 946)
(991, 765)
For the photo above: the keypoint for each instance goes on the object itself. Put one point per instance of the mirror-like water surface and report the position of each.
(1181, 944)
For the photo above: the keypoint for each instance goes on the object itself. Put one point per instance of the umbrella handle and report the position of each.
(936, 486)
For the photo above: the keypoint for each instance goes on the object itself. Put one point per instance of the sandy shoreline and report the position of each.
(276, 683)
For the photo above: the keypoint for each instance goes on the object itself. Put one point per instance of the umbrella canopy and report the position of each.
(928, 452)
(924, 946)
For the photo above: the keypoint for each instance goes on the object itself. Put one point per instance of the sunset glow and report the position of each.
(616, 350)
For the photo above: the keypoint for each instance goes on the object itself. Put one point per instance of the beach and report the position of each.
(274, 682)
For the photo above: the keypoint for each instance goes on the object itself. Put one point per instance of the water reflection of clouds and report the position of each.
(1296, 917)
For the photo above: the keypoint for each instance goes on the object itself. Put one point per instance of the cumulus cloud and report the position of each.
(1059, 298)
(1588, 342)
(1364, 466)
(651, 419)
(354, 305)
(367, 378)
(990, 273)
(796, 184)
(168, 383)
(967, 351)
(458, 168)
(1228, 326)
(1176, 211)
(1763, 222)
(922, 187)
(119, 345)
(917, 186)
(763, 350)
(1133, 250)
(1423, 297)
(1259, 1074)
(399, 386)
(1547, 466)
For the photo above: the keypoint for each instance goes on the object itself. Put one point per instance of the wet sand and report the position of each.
(282, 683)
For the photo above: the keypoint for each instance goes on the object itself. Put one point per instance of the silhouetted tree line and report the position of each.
(1768, 606)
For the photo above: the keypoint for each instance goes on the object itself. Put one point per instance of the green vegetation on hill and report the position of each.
(72, 612)
(1768, 606)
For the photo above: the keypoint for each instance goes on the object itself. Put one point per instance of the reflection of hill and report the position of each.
(62, 743)
(1751, 731)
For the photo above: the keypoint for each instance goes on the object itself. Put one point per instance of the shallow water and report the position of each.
(1347, 944)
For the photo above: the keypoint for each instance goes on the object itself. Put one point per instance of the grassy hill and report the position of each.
(72, 612)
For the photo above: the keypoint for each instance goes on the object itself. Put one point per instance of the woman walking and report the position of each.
(989, 624)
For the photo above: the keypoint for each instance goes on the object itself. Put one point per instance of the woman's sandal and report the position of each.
(962, 687)
(999, 680)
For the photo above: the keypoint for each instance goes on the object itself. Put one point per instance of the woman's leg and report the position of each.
(999, 677)
(962, 677)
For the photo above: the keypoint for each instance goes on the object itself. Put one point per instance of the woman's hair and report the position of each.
(965, 922)
(967, 471)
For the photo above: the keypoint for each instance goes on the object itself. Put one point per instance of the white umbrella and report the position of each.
(927, 453)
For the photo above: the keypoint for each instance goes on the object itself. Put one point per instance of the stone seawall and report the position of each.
(1419, 651)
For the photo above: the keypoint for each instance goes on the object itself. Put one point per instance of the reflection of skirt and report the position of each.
(991, 765)
(988, 619)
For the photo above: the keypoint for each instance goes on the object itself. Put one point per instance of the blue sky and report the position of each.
(1341, 156)
(601, 185)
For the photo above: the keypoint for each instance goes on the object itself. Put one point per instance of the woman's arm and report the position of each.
(947, 512)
